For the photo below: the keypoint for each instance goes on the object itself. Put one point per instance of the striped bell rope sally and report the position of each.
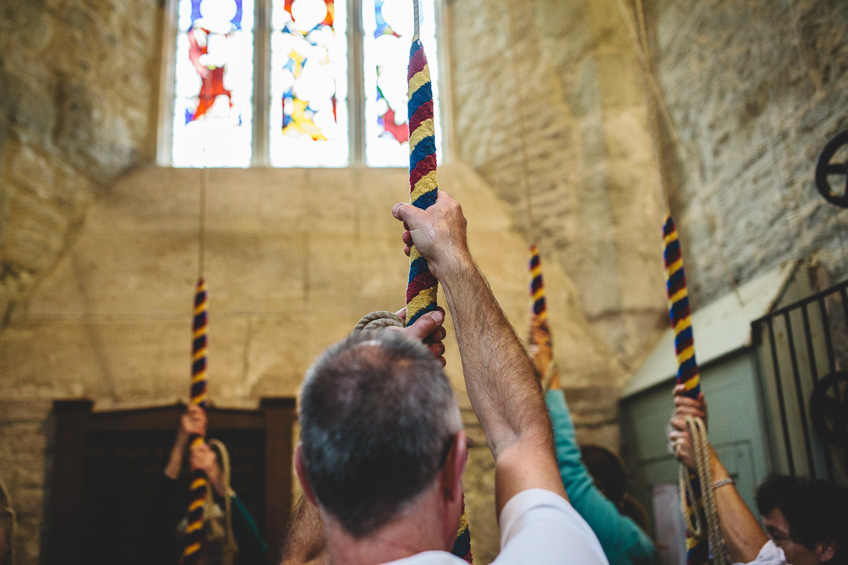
(422, 287)
(197, 491)
(540, 332)
(696, 503)
(537, 286)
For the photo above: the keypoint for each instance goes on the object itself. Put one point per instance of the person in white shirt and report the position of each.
(382, 447)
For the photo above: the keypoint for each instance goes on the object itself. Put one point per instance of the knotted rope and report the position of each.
(378, 320)
(200, 324)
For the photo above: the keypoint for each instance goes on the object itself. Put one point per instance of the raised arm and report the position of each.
(742, 534)
(498, 373)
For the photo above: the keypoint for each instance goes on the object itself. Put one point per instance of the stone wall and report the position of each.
(754, 90)
(575, 100)
(77, 82)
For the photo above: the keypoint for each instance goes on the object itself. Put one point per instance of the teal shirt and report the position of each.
(623, 542)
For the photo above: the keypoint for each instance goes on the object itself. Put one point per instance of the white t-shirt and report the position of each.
(538, 527)
(770, 554)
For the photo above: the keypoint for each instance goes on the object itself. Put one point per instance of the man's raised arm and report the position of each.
(498, 373)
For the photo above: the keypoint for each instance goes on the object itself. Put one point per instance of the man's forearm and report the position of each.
(739, 528)
(498, 373)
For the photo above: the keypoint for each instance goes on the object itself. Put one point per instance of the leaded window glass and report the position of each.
(308, 125)
(388, 28)
(213, 87)
(260, 82)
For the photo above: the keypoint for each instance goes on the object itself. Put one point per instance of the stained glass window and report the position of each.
(308, 122)
(213, 87)
(388, 28)
(305, 113)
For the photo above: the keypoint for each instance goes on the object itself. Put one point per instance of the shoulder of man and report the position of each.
(770, 554)
(539, 526)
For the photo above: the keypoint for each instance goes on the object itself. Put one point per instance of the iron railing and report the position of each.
(803, 358)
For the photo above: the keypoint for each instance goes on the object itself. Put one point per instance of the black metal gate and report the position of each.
(803, 357)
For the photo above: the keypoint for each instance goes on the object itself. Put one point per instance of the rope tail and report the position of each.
(422, 287)
(200, 325)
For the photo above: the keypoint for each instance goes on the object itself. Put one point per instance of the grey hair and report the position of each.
(377, 414)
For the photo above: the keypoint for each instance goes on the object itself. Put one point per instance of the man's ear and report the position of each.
(454, 466)
(300, 468)
(826, 550)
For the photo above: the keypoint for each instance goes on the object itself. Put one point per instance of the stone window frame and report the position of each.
(262, 80)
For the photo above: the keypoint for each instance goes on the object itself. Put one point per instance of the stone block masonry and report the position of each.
(755, 90)
(77, 84)
(577, 94)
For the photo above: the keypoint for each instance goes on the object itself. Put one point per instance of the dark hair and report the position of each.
(817, 511)
(376, 411)
(607, 471)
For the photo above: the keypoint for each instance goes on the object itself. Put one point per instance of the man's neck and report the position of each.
(418, 529)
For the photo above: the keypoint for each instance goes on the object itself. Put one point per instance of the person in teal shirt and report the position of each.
(623, 542)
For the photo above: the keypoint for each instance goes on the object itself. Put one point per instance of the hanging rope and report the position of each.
(422, 287)
(695, 496)
(201, 221)
(698, 506)
(519, 113)
(416, 21)
(199, 486)
(690, 490)
(194, 529)
(656, 105)
(540, 331)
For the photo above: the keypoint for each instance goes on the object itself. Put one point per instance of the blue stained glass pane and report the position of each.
(236, 21)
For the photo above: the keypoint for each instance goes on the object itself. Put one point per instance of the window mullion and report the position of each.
(443, 38)
(356, 84)
(166, 87)
(261, 84)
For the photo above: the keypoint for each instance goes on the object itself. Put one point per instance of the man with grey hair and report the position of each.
(382, 449)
